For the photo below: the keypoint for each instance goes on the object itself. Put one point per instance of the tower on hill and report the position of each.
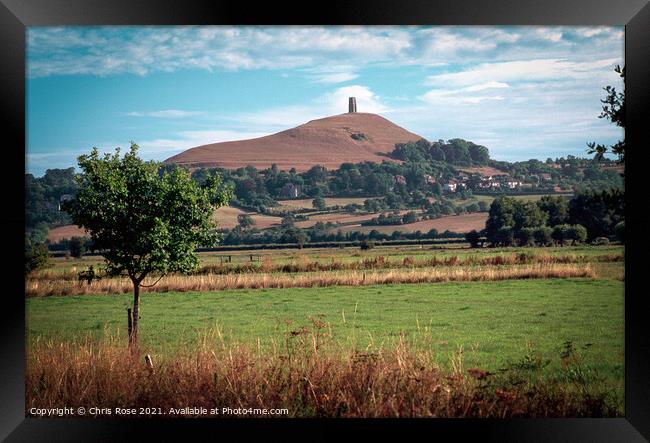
(352, 105)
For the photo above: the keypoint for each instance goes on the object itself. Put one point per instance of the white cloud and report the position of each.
(551, 34)
(142, 50)
(167, 113)
(336, 102)
(522, 70)
(338, 77)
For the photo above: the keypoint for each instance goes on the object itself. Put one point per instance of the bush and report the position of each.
(366, 245)
(473, 238)
(77, 247)
(36, 257)
(577, 233)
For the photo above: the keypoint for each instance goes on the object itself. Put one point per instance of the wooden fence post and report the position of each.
(129, 322)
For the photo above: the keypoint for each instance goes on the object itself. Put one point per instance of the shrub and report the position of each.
(473, 238)
(577, 233)
(36, 257)
(366, 245)
(77, 247)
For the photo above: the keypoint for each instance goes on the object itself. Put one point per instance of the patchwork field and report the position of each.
(453, 223)
(306, 203)
(226, 217)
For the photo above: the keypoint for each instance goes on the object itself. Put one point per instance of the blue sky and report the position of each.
(524, 92)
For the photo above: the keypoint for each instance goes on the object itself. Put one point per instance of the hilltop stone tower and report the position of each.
(352, 105)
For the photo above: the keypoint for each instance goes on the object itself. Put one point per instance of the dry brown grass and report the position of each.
(325, 142)
(212, 282)
(305, 377)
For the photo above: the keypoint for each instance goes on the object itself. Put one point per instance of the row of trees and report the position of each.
(554, 219)
(456, 151)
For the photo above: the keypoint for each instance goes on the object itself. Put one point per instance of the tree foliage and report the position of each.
(143, 218)
(614, 111)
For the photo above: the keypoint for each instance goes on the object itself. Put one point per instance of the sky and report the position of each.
(522, 91)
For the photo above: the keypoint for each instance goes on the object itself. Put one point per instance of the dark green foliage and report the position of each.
(598, 212)
(245, 221)
(504, 236)
(501, 214)
(42, 197)
(473, 238)
(556, 208)
(409, 217)
(526, 236)
(144, 220)
(543, 235)
(561, 234)
(319, 204)
(77, 246)
(456, 152)
(614, 111)
(366, 245)
(619, 229)
(36, 256)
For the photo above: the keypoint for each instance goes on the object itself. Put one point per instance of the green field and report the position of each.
(496, 323)
(354, 254)
(491, 325)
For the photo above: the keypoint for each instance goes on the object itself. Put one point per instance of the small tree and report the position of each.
(245, 221)
(577, 233)
(77, 247)
(142, 218)
(319, 204)
(36, 256)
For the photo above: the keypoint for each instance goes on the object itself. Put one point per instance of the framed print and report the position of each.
(380, 215)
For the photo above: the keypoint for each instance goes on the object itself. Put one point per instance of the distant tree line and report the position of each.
(587, 216)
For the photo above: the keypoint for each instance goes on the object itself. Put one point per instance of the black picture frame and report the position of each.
(16, 15)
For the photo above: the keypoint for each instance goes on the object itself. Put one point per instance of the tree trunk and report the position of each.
(133, 338)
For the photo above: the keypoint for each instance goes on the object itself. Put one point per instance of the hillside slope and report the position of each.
(328, 141)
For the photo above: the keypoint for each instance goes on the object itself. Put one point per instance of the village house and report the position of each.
(451, 186)
(513, 184)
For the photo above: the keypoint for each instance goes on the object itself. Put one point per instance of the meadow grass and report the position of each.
(496, 323)
(551, 346)
(307, 381)
(259, 280)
